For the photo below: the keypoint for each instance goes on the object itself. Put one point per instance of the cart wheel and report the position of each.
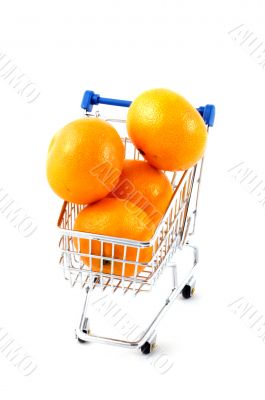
(149, 345)
(80, 340)
(187, 291)
(146, 348)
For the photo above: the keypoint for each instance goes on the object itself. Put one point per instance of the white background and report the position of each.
(119, 49)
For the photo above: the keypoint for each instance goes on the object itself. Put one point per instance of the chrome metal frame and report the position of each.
(172, 234)
(149, 335)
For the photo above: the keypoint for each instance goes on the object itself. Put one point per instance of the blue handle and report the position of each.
(90, 99)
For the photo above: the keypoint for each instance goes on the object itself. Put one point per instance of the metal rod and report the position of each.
(149, 332)
(84, 313)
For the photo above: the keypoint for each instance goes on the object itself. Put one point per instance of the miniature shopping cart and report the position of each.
(172, 234)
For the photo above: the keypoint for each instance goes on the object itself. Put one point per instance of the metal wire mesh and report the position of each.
(99, 263)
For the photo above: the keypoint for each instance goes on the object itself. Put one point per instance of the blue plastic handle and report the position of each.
(90, 99)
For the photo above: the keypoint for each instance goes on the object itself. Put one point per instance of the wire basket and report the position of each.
(169, 235)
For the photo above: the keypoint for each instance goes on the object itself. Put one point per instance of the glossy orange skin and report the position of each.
(145, 186)
(117, 218)
(85, 160)
(167, 130)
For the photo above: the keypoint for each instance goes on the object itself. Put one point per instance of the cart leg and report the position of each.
(189, 289)
(84, 326)
(174, 276)
(149, 345)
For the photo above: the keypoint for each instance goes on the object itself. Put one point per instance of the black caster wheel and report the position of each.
(146, 348)
(80, 340)
(149, 346)
(187, 291)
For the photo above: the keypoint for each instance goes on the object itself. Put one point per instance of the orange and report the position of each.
(118, 218)
(85, 160)
(145, 186)
(166, 129)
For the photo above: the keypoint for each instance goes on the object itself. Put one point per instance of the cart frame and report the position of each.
(171, 235)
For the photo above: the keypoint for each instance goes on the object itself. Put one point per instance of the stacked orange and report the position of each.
(125, 198)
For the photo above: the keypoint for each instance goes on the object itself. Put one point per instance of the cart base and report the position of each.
(147, 342)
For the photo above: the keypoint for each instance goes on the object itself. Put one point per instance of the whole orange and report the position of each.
(85, 160)
(145, 186)
(118, 218)
(166, 129)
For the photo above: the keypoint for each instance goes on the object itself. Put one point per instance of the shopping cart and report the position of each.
(172, 234)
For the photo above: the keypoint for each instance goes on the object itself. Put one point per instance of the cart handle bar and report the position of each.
(90, 99)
